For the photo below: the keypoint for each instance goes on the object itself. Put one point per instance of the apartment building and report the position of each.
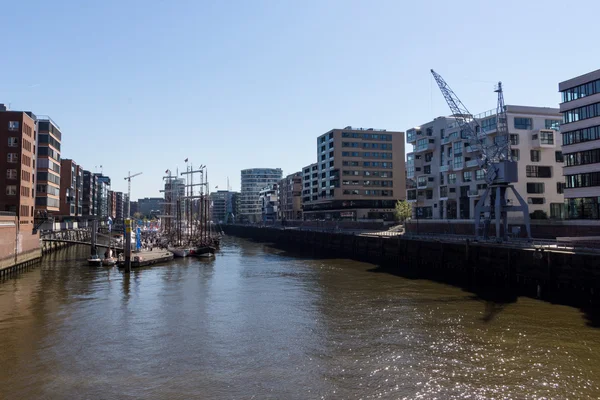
(222, 206)
(149, 206)
(253, 180)
(47, 196)
(269, 203)
(112, 204)
(444, 179)
(310, 183)
(290, 197)
(90, 190)
(580, 108)
(70, 191)
(120, 209)
(361, 175)
(133, 207)
(17, 165)
(102, 196)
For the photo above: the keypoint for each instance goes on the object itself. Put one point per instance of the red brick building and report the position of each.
(18, 144)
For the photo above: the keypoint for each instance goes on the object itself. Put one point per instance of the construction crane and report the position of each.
(128, 179)
(494, 159)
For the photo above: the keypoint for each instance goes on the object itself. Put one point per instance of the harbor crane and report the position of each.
(495, 159)
(128, 179)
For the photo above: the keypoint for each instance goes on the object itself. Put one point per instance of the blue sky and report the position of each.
(141, 85)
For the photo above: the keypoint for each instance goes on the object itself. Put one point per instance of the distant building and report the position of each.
(269, 203)
(310, 183)
(222, 206)
(120, 206)
(102, 196)
(148, 206)
(253, 181)
(70, 189)
(47, 196)
(290, 197)
(112, 204)
(90, 189)
(17, 165)
(360, 175)
(580, 128)
(134, 207)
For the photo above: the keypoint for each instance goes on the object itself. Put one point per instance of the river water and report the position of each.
(260, 323)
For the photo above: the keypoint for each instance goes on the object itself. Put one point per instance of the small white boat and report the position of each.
(109, 262)
(94, 261)
(179, 251)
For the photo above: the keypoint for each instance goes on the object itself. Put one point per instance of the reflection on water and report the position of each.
(259, 323)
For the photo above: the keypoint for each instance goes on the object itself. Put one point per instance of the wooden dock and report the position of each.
(148, 258)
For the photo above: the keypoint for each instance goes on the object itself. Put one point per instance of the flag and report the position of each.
(186, 160)
(216, 187)
(167, 171)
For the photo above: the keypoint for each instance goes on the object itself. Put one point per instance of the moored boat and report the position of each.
(204, 251)
(94, 261)
(179, 251)
(109, 262)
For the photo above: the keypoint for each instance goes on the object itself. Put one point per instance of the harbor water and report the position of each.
(257, 322)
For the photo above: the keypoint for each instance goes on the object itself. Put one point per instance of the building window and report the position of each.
(514, 140)
(451, 178)
(581, 113)
(479, 175)
(582, 158)
(427, 169)
(536, 200)
(428, 157)
(11, 190)
(581, 135)
(12, 157)
(558, 156)
(553, 124)
(580, 91)
(458, 162)
(582, 180)
(13, 125)
(535, 171)
(560, 187)
(557, 210)
(535, 187)
(13, 142)
(546, 137)
(515, 154)
(488, 124)
(457, 147)
(11, 174)
(523, 123)
(467, 176)
(535, 155)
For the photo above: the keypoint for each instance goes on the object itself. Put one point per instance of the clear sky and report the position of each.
(141, 85)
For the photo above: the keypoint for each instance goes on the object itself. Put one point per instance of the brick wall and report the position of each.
(16, 248)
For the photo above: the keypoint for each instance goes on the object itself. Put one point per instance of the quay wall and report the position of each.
(557, 276)
(19, 248)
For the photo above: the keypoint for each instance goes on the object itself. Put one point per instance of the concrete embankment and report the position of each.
(553, 275)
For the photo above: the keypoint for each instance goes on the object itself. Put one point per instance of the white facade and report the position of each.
(443, 176)
(581, 145)
(253, 181)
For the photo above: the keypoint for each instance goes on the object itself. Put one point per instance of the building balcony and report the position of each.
(472, 163)
(445, 168)
(424, 184)
(411, 196)
(446, 140)
(544, 139)
(475, 192)
(426, 147)
(469, 149)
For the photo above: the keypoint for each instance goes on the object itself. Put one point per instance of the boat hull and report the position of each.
(177, 252)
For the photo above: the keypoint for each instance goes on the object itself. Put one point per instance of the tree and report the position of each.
(403, 210)
(137, 215)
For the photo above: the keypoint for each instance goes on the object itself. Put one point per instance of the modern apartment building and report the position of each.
(222, 206)
(269, 203)
(133, 208)
(120, 206)
(47, 197)
(149, 206)
(580, 128)
(360, 175)
(444, 179)
(90, 190)
(102, 196)
(253, 181)
(69, 189)
(310, 183)
(290, 197)
(17, 165)
(112, 204)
